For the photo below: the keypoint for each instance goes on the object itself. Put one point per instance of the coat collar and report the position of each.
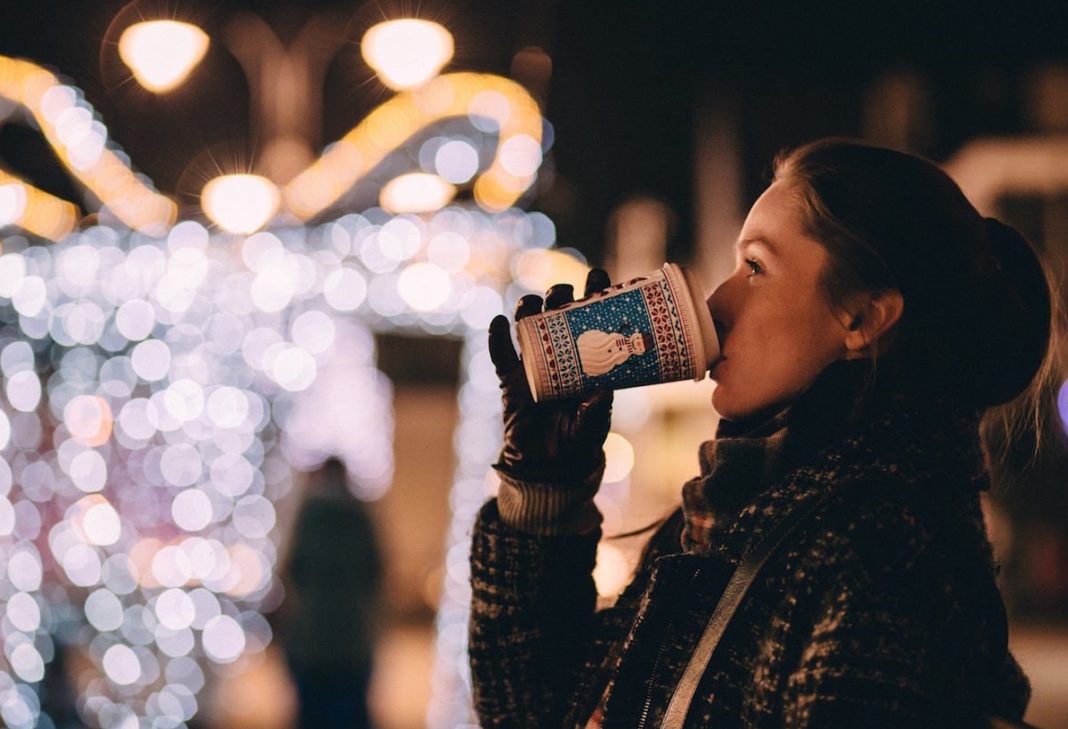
(838, 430)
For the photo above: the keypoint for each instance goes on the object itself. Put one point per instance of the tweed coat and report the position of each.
(879, 614)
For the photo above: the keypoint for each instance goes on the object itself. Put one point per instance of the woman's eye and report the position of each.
(754, 266)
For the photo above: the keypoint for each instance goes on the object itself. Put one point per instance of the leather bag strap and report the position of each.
(732, 597)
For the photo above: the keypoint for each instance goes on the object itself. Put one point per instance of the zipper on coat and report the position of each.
(650, 686)
(648, 703)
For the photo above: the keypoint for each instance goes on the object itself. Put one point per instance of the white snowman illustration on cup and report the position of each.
(600, 352)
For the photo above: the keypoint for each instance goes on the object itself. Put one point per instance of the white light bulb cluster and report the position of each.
(158, 390)
(157, 394)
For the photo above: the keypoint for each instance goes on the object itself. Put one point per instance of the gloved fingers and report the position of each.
(594, 415)
(597, 280)
(558, 295)
(501, 351)
(527, 305)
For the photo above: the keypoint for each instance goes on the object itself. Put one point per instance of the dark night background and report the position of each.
(626, 79)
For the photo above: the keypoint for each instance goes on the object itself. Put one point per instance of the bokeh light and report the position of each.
(240, 203)
(162, 53)
(408, 52)
(165, 389)
(81, 144)
(612, 570)
(162, 382)
(417, 192)
(456, 161)
(494, 106)
(619, 458)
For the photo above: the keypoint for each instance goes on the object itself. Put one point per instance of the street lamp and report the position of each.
(162, 53)
(285, 88)
(406, 53)
(240, 203)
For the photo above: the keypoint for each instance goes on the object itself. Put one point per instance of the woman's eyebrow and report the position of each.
(757, 240)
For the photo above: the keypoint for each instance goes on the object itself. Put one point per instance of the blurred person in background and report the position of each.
(333, 577)
(875, 325)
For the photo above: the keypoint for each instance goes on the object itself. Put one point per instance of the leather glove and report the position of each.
(553, 441)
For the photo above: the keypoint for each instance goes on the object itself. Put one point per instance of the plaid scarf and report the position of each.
(734, 470)
(838, 425)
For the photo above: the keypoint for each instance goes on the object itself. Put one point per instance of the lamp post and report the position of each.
(285, 87)
(162, 53)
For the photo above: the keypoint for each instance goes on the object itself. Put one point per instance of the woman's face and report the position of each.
(777, 328)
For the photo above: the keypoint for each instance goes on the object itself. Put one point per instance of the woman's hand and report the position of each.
(549, 441)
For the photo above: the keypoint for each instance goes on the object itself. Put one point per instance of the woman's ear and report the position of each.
(869, 319)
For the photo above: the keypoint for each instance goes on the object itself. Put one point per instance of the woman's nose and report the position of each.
(719, 303)
(720, 306)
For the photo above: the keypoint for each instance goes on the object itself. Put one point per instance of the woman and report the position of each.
(873, 317)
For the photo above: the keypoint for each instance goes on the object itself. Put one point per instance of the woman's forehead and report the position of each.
(776, 224)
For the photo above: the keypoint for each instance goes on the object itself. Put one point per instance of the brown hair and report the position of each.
(978, 321)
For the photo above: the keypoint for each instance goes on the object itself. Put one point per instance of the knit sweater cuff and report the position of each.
(549, 509)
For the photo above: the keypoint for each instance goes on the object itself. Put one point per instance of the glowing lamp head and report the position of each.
(161, 53)
(406, 53)
(240, 203)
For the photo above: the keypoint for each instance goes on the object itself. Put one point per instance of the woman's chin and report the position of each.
(728, 407)
(721, 402)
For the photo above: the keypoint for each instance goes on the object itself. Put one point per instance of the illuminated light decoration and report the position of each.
(35, 211)
(178, 419)
(81, 144)
(416, 192)
(406, 53)
(538, 269)
(152, 509)
(631, 409)
(493, 103)
(424, 286)
(612, 570)
(209, 364)
(240, 203)
(501, 105)
(456, 161)
(162, 53)
(619, 458)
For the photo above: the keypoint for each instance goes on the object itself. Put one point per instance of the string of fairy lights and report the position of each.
(152, 413)
(162, 381)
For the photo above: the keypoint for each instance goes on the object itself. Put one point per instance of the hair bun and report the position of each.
(1018, 308)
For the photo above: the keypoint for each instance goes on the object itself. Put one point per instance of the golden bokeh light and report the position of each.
(35, 211)
(81, 145)
(513, 113)
(538, 269)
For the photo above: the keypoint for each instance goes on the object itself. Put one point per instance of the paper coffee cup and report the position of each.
(654, 328)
